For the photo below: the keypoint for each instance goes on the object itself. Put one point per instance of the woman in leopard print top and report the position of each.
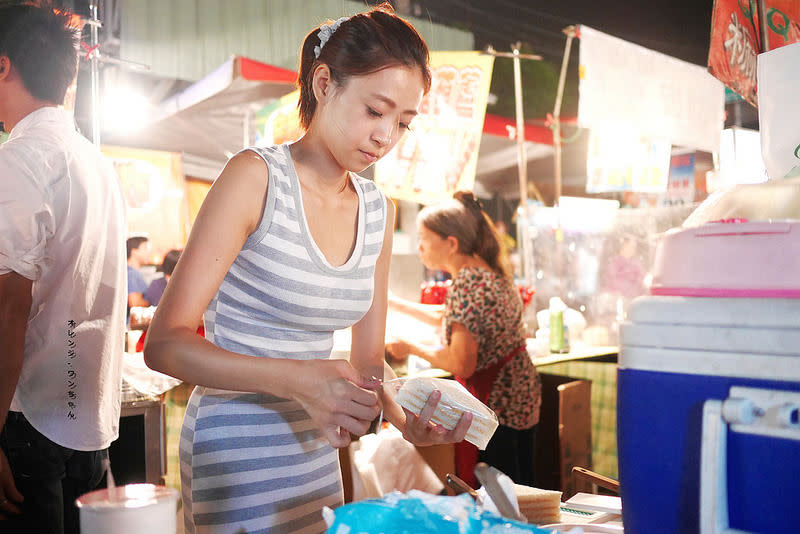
(483, 333)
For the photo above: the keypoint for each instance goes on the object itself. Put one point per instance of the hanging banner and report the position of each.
(624, 85)
(681, 186)
(438, 156)
(736, 41)
(621, 160)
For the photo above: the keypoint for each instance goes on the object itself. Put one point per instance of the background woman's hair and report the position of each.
(464, 219)
(363, 44)
(170, 261)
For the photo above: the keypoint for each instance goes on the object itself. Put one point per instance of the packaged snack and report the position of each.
(414, 392)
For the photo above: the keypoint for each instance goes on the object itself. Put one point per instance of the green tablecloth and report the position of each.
(604, 408)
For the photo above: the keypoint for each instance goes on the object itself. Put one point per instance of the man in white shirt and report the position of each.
(62, 283)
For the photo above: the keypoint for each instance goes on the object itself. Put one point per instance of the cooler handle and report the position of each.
(747, 410)
(746, 229)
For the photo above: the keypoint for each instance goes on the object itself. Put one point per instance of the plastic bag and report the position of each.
(400, 465)
(415, 512)
(143, 379)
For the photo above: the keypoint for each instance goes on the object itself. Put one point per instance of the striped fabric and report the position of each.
(253, 462)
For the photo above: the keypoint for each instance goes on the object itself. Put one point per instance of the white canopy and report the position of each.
(211, 119)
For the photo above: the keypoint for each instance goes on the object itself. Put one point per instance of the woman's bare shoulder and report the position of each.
(238, 193)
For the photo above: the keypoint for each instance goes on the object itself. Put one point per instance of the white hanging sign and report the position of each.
(661, 97)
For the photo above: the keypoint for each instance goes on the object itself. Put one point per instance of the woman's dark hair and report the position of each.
(170, 261)
(362, 44)
(464, 218)
(42, 47)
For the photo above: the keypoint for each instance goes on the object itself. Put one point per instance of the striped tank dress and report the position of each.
(257, 463)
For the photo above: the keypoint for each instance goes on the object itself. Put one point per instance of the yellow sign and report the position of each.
(438, 156)
(279, 122)
(155, 195)
(620, 160)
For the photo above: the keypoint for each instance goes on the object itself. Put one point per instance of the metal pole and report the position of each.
(522, 163)
(570, 31)
(520, 122)
(94, 40)
(246, 129)
(522, 169)
(762, 25)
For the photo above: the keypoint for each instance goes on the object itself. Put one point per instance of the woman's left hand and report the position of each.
(420, 430)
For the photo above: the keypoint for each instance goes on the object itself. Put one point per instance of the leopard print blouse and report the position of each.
(489, 306)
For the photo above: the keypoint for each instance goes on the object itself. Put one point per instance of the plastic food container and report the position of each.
(732, 258)
(129, 509)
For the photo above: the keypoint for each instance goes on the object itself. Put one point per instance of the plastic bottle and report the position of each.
(558, 339)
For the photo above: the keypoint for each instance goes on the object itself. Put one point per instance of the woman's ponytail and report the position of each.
(487, 242)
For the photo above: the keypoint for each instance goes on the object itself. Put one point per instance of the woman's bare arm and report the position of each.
(430, 314)
(459, 357)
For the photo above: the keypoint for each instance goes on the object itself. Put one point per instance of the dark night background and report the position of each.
(679, 28)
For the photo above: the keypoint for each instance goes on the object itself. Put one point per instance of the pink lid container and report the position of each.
(732, 258)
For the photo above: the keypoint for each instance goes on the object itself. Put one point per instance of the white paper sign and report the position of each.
(779, 110)
(659, 96)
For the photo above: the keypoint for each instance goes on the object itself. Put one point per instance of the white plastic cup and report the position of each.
(129, 509)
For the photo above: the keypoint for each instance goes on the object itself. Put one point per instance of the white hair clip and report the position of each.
(325, 33)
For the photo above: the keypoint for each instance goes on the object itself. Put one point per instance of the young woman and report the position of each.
(483, 332)
(288, 246)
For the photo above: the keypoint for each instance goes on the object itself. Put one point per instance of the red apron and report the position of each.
(480, 385)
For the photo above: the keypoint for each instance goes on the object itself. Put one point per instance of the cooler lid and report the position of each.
(731, 258)
(763, 313)
(757, 338)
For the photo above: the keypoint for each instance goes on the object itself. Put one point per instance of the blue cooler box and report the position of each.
(708, 415)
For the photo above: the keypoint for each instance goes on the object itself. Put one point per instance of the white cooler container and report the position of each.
(708, 409)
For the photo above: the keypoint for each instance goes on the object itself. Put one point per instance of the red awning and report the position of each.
(501, 126)
(250, 69)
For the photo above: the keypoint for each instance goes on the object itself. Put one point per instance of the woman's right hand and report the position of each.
(338, 399)
(399, 349)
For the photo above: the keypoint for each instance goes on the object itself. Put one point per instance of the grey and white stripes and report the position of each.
(258, 462)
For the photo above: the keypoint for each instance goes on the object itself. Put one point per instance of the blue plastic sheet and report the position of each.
(416, 511)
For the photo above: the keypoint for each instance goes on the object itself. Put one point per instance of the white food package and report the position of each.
(455, 400)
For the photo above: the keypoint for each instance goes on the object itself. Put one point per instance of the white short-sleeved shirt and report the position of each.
(62, 225)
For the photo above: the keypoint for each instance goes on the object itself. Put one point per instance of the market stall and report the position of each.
(586, 251)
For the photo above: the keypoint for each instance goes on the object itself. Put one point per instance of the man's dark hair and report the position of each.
(134, 243)
(42, 47)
